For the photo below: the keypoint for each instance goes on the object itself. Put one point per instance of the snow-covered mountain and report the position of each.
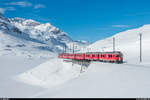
(129, 79)
(45, 33)
(57, 78)
(127, 42)
(26, 35)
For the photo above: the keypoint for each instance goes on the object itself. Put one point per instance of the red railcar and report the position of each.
(79, 56)
(72, 56)
(91, 56)
(87, 56)
(106, 56)
(97, 56)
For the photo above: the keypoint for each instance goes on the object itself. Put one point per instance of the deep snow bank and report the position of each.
(51, 73)
(105, 80)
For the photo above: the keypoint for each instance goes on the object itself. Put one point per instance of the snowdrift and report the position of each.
(50, 73)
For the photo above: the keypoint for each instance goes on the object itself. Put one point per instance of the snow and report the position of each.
(128, 42)
(27, 37)
(51, 73)
(45, 33)
(10, 45)
(107, 81)
(21, 56)
(33, 70)
(130, 79)
(11, 66)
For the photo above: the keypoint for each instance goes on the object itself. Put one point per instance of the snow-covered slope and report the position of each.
(10, 45)
(127, 42)
(45, 33)
(130, 79)
(104, 80)
(27, 37)
(49, 75)
(15, 42)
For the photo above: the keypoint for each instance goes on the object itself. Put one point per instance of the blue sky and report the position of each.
(88, 20)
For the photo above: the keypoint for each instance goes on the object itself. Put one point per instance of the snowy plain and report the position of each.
(40, 77)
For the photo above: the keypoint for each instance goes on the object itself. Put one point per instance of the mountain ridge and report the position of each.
(42, 36)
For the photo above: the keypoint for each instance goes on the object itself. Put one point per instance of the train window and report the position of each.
(117, 56)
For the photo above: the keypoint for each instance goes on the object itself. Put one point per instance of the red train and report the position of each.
(114, 57)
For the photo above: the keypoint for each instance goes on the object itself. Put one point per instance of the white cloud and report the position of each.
(120, 26)
(39, 6)
(20, 3)
(2, 10)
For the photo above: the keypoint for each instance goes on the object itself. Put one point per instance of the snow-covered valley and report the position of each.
(43, 78)
(30, 68)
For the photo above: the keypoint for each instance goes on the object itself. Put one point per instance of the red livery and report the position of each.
(116, 56)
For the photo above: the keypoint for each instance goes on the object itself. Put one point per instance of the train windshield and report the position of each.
(119, 55)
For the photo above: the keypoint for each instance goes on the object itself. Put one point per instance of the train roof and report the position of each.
(116, 52)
